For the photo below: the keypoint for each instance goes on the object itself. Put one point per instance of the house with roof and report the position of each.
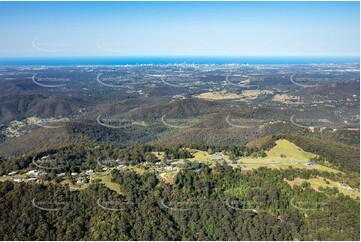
(32, 173)
(219, 157)
(12, 173)
(346, 186)
(311, 163)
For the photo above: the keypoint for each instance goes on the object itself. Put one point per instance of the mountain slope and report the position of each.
(15, 107)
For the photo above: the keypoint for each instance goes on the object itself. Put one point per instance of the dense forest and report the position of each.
(204, 203)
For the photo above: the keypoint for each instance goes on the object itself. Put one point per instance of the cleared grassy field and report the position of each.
(316, 183)
(106, 180)
(253, 94)
(218, 96)
(159, 155)
(289, 149)
(104, 177)
(168, 177)
(292, 155)
(75, 187)
(200, 155)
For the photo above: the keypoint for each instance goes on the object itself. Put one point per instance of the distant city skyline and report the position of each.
(83, 29)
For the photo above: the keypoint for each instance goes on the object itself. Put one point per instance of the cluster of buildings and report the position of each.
(169, 165)
(32, 176)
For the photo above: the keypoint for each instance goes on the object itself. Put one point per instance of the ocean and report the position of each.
(163, 60)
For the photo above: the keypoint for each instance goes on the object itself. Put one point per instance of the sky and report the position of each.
(179, 29)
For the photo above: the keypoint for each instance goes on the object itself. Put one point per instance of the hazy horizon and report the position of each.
(163, 60)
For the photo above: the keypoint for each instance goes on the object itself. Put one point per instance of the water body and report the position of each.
(159, 60)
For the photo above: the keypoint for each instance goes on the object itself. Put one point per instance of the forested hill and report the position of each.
(202, 204)
(15, 107)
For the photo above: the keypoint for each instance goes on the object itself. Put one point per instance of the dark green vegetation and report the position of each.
(194, 208)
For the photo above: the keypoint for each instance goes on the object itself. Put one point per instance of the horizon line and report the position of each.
(213, 56)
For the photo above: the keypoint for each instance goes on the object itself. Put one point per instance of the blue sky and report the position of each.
(179, 28)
